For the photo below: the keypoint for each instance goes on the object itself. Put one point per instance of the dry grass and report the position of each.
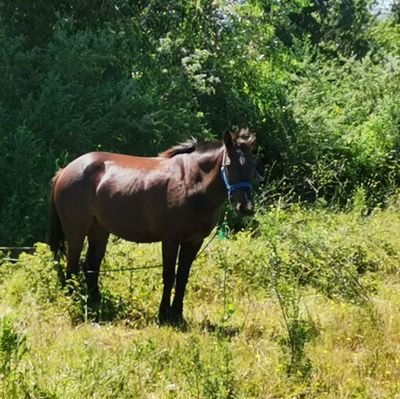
(236, 344)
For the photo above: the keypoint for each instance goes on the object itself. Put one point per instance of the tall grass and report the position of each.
(306, 305)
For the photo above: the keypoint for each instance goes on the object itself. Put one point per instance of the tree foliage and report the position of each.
(315, 79)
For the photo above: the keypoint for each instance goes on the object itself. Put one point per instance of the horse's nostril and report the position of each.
(246, 209)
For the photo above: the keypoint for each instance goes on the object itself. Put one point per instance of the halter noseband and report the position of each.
(236, 186)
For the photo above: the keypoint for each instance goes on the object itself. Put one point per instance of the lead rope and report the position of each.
(131, 269)
(223, 233)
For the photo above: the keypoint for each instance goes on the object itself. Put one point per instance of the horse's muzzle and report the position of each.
(246, 209)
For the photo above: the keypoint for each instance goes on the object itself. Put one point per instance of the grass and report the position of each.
(306, 306)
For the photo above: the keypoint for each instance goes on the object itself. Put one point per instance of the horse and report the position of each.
(175, 198)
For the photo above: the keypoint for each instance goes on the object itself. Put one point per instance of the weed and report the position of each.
(12, 350)
(306, 306)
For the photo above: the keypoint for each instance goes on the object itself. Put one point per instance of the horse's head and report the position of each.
(238, 168)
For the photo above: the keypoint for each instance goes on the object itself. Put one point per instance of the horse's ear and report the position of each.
(246, 138)
(240, 137)
(228, 139)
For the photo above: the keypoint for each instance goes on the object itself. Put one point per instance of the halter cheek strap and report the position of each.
(236, 186)
(233, 187)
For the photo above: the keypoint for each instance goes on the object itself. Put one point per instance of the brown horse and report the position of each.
(174, 198)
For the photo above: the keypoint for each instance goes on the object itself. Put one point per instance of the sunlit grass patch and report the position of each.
(307, 305)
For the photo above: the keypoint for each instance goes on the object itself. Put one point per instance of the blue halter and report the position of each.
(233, 187)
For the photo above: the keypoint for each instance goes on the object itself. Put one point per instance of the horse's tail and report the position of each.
(55, 238)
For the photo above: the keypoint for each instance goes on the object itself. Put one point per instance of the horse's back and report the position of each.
(89, 169)
(136, 198)
(125, 194)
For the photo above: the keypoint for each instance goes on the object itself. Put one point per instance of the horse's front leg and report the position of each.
(187, 254)
(169, 254)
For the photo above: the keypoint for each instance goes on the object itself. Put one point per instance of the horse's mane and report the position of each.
(190, 146)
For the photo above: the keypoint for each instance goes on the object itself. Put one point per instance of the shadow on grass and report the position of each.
(221, 330)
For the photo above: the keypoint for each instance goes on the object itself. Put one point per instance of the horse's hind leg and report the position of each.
(74, 249)
(75, 234)
(97, 239)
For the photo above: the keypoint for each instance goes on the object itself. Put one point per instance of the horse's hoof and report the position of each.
(180, 323)
(163, 320)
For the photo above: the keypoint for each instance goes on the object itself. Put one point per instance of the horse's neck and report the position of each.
(209, 169)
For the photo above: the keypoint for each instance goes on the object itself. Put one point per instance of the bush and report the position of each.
(347, 136)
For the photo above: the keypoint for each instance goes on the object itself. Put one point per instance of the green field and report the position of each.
(301, 302)
(304, 306)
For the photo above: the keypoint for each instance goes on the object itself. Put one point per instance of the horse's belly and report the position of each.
(132, 214)
(141, 237)
(132, 229)
(132, 223)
